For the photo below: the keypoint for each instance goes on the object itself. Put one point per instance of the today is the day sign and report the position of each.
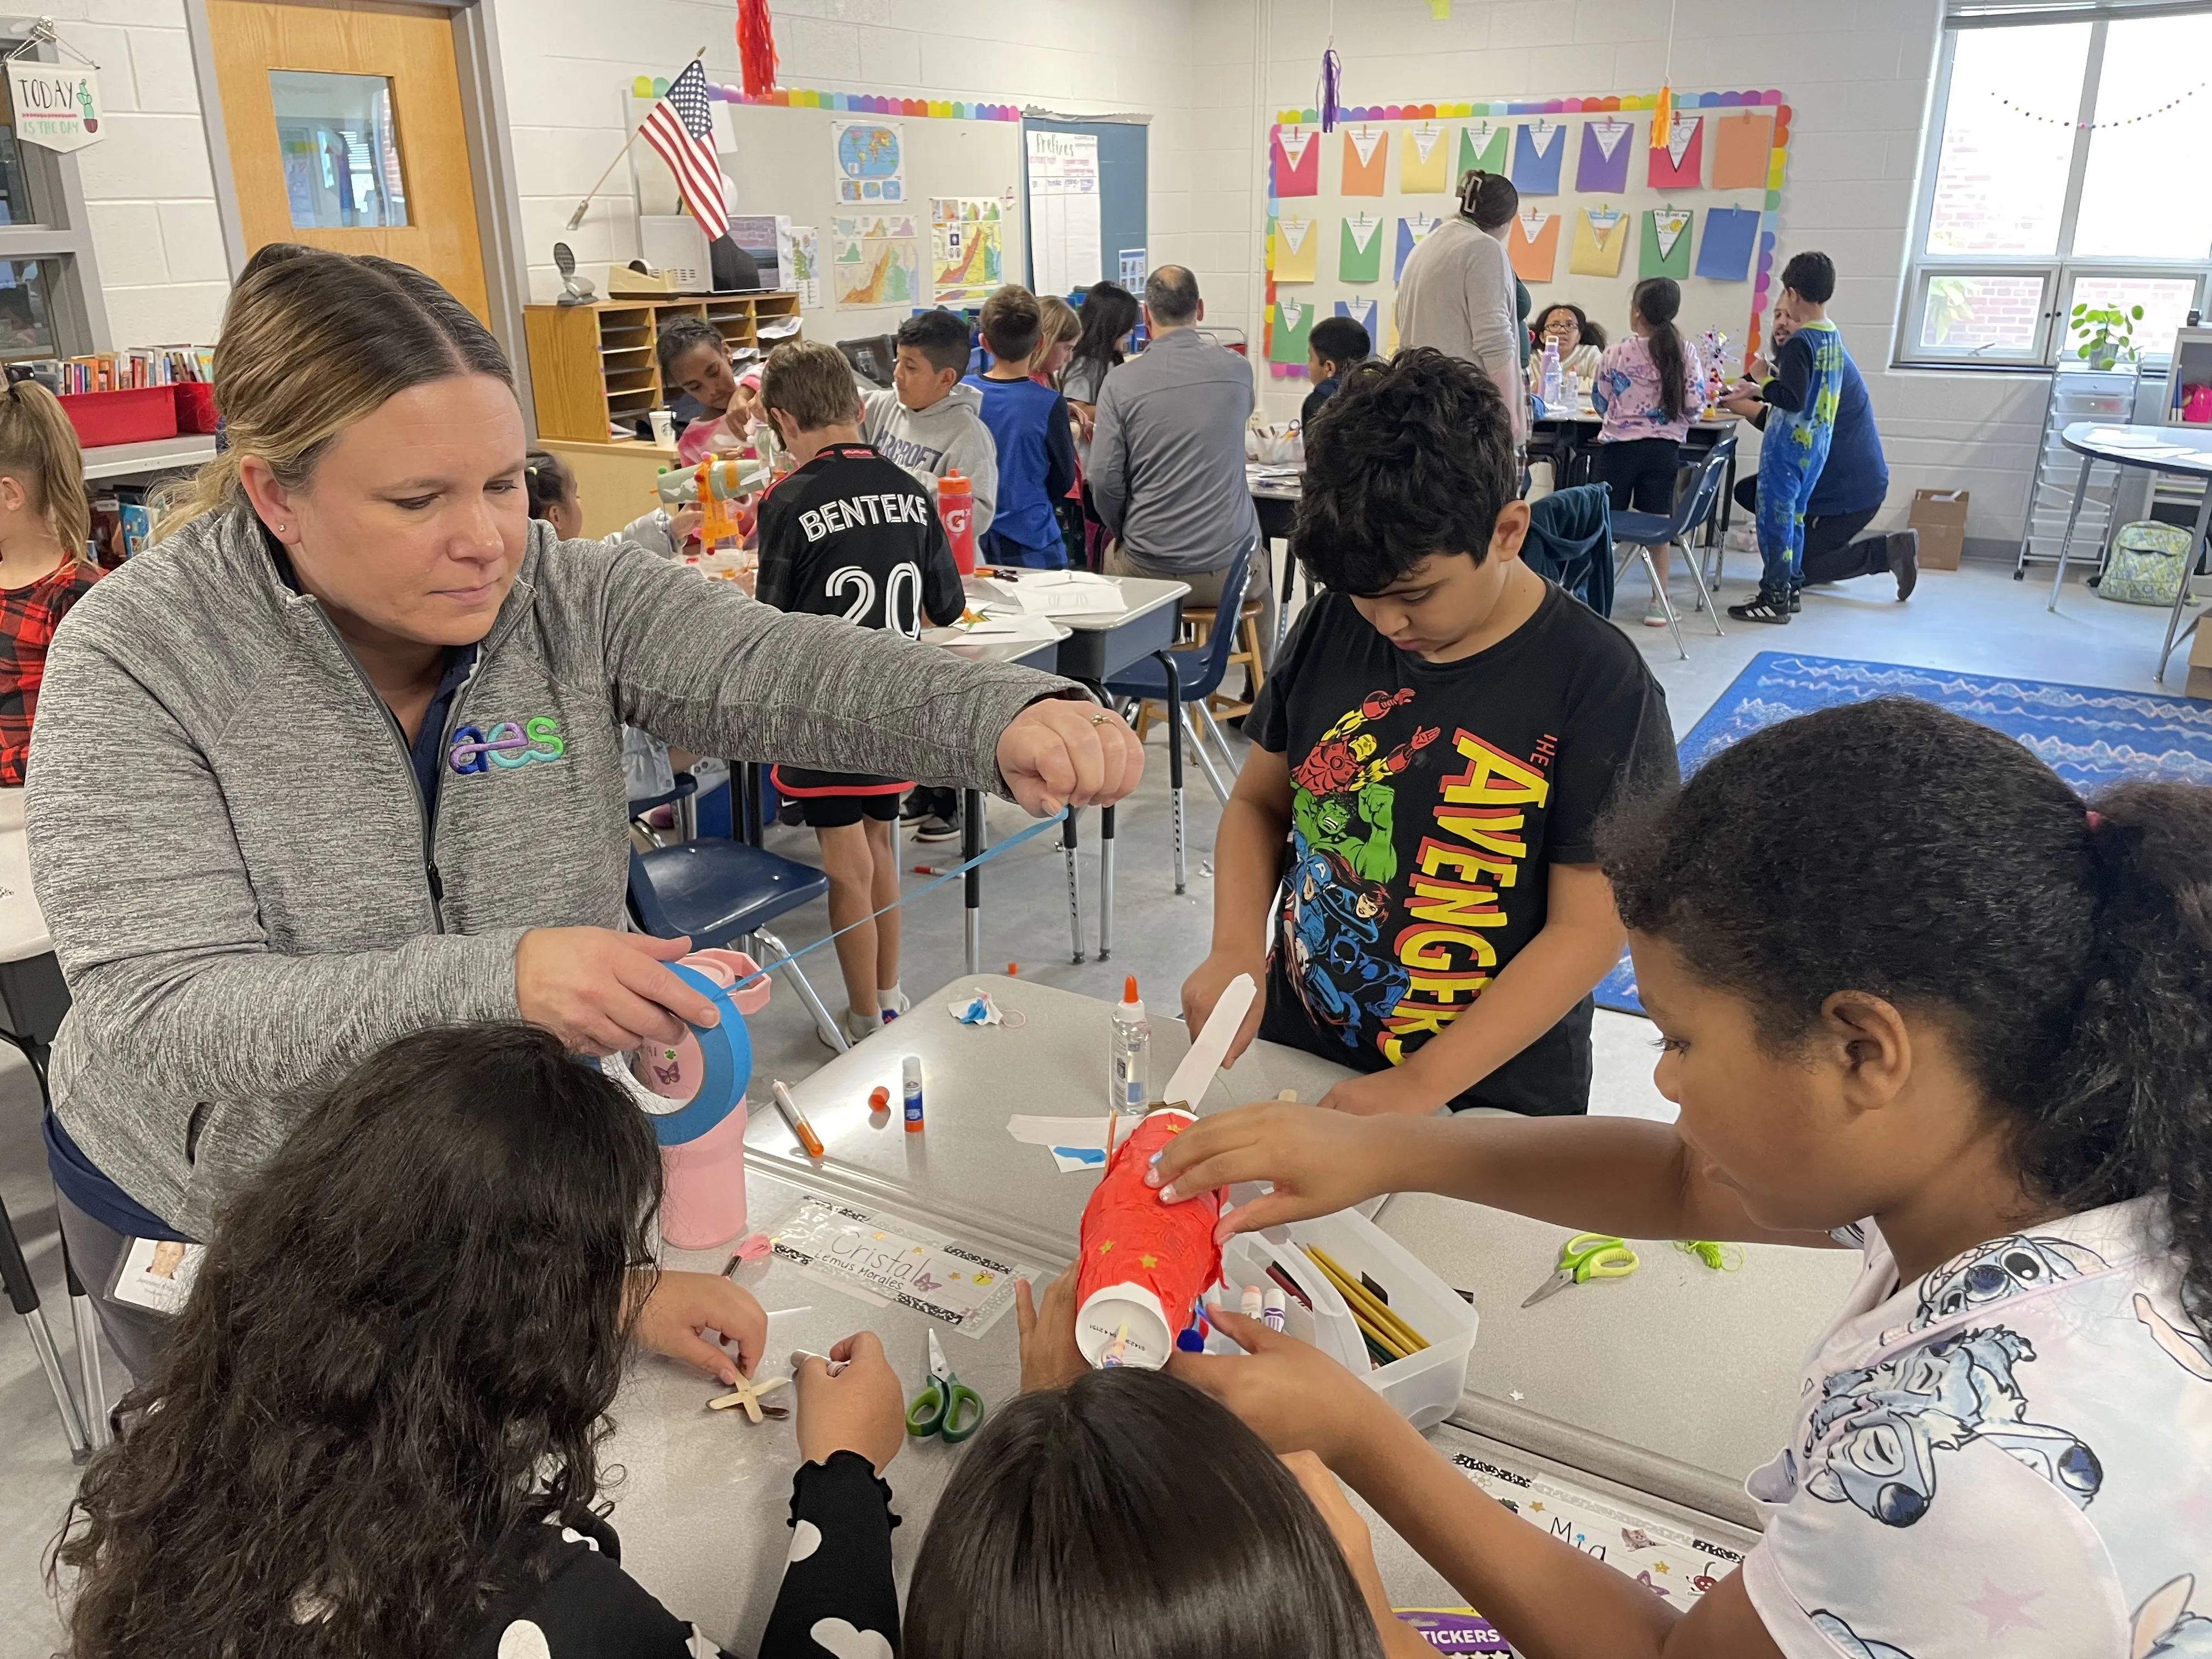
(55, 105)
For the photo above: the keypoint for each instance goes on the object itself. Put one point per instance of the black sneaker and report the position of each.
(1766, 606)
(1797, 596)
(916, 807)
(933, 827)
(1904, 561)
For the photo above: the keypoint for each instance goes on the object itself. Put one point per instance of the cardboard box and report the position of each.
(1940, 516)
(2200, 664)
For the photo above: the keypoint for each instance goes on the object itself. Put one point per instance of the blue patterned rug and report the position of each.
(2090, 736)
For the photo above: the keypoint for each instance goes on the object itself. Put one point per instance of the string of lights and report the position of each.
(2027, 114)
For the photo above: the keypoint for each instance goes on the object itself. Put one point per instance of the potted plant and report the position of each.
(2105, 334)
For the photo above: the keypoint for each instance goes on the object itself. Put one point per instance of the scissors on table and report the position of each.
(1582, 1258)
(945, 1405)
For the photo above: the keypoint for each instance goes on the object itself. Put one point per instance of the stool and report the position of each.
(1198, 623)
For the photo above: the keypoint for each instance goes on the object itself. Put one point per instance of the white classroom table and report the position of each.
(2082, 438)
(1657, 1391)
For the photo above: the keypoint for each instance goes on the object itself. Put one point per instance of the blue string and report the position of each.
(983, 857)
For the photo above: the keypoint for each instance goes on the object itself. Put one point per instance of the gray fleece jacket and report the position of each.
(949, 436)
(231, 849)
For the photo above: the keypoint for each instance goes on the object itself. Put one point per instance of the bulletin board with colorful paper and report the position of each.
(1601, 207)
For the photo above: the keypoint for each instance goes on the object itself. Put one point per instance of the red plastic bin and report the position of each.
(195, 405)
(133, 416)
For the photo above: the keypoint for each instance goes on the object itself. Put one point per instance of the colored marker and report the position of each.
(1254, 1303)
(796, 1120)
(1274, 1308)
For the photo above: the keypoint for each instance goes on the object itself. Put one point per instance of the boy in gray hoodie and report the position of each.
(930, 424)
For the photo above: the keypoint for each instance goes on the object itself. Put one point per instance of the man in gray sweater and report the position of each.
(1167, 455)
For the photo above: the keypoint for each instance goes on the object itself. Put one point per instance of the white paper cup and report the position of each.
(664, 427)
(1114, 1309)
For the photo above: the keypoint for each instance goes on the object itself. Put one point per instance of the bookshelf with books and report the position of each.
(592, 370)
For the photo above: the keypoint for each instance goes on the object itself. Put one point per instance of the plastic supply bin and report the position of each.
(195, 405)
(1423, 1388)
(135, 416)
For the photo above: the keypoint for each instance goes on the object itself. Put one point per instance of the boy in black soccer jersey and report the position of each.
(1436, 741)
(851, 534)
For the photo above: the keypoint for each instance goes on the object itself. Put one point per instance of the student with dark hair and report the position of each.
(1802, 397)
(930, 422)
(375, 1429)
(1109, 313)
(1580, 341)
(552, 487)
(1458, 294)
(1127, 1516)
(1030, 432)
(1336, 344)
(1919, 1000)
(1451, 964)
(695, 365)
(1645, 388)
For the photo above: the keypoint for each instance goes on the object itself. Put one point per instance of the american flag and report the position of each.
(682, 130)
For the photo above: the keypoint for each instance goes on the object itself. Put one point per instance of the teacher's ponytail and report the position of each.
(311, 341)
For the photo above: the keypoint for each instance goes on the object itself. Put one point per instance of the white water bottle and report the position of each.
(1128, 1066)
(1551, 394)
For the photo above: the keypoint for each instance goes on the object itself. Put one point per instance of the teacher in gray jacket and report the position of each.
(340, 758)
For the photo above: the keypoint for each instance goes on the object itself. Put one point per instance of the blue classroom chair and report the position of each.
(1644, 531)
(1198, 674)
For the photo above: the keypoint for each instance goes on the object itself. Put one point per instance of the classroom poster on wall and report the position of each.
(1665, 248)
(1361, 310)
(1296, 250)
(1603, 166)
(878, 260)
(1413, 231)
(870, 161)
(967, 249)
(1480, 145)
(1743, 145)
(1601, 237)
(1533, 239)
(1421, 160)
(1724, 253)
(1293, 325)
(1538, 149)
(1366, 154)
(1064, 239)
(806, 265)
(1296, 156)
(1359, 249)
(1680, 164)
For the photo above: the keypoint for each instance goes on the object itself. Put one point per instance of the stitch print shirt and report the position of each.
(2010, 1456)
(1626, 389)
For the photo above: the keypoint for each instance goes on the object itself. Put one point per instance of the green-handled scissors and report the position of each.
(945, 1405)
(1582, 1258)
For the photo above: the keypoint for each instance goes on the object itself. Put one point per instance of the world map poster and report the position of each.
(967, 248)
(876, 259)
(870, 161)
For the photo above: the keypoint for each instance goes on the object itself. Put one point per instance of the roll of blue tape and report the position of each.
(726, 1051)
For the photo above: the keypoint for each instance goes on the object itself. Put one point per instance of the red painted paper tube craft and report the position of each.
(1144, 1263)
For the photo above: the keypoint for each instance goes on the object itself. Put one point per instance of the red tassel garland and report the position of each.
(757, 47)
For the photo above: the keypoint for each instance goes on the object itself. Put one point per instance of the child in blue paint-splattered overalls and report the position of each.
(1803, 391)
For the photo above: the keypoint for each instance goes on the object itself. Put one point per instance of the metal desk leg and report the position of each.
(1166, 660)
(2181, 599)
(1105, 883)
(92, 1384)
(971, 846)
(16, 1276)
(2080, 489)
(1067, 846)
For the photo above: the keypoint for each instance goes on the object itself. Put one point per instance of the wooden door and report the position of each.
(345, 131)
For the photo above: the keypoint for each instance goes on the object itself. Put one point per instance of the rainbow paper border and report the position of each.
(1769, 215)
(855, 103)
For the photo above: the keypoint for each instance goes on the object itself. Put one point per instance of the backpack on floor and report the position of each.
(2148, 565)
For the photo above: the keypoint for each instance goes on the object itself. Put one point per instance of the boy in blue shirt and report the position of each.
(1028, 424)
(1802, 396)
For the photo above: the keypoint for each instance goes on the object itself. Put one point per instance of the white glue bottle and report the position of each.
(1128, 1066)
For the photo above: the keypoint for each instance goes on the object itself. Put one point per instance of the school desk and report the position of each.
(1677, 1380)
(703, 1507)
(1097, 646)
(2184, 450)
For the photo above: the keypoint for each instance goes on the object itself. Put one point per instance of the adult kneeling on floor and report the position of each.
(341, 759)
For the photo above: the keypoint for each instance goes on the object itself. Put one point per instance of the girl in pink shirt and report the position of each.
(1646, 388)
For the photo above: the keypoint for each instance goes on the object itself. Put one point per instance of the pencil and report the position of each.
(1377, 1307)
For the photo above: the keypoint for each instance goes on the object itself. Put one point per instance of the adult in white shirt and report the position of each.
(1456, 293)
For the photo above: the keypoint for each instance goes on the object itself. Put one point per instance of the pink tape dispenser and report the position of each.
(703, 1132)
